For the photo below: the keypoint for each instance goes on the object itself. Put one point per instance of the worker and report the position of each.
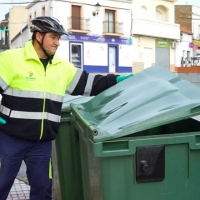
(33, 82)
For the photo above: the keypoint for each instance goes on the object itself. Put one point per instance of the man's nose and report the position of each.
(57, 42)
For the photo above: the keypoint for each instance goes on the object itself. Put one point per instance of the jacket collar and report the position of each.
(30, 53)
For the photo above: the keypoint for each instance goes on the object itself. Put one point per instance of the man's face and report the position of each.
(50, 42)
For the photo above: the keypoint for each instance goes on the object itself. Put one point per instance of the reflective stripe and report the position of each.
(3, 84)
(54, 97)
(4, 110)
(35, 115)
(50, 169)
(88, 87)
(75, 81)
(33, 94)
(22, 93)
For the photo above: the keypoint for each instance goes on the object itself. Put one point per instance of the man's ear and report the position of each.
(38, 36)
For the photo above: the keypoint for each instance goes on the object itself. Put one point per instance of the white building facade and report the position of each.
(96, 42)
(101, 42)
(184, 51)
(154, 33)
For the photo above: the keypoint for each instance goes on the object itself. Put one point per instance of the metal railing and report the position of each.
(190, 62)
(78, 23)
(112, 27)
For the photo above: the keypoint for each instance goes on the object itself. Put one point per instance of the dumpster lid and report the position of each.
(68, 99)
(151, 98)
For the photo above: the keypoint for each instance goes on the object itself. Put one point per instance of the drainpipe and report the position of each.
(131, 13)
(51, 7)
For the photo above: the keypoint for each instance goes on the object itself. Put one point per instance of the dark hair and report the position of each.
(34, 35)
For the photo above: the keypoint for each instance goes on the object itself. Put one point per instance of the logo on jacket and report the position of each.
(30, 76)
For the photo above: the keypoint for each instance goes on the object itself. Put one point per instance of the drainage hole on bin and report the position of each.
(95, 132)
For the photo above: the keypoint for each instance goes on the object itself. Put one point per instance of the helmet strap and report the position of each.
(50, 57)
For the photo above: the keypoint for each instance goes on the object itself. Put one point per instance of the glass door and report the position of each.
(76, 54)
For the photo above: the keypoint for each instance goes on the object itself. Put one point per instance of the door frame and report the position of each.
(116, 56)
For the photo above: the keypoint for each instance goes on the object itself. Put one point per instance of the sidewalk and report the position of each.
(19, 191)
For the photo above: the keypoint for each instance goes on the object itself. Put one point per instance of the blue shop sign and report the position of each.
(76, 37)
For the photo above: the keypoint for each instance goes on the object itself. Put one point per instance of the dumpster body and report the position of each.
(140, 139)
(67, 178)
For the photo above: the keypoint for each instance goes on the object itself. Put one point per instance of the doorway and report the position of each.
(112, 58)
(163, 57)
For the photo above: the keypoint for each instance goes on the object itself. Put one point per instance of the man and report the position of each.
(33, 83)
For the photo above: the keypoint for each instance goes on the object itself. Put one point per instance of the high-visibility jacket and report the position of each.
(32, 95)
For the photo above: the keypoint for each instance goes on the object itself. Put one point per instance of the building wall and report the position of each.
(191, 26)
(150, 6)
(182, 12)
(143, 45)
(62, 11)
(183, 51)
(36, 10)
(94, 47)
(17, 19)
(196, 22)
(142, 53)
(20, 40)
(189, 45)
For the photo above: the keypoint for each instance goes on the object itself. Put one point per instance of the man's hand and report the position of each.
(2, 121)
(121, 78)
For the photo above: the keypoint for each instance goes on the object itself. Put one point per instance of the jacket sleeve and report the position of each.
(6, 71)
(88, 84)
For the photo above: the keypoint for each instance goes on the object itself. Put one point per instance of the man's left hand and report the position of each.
(121, 78)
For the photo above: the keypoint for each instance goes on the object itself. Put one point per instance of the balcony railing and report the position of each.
(78, 24)
(112, 28)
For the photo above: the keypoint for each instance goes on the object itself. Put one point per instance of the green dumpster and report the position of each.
(140, 139)
(67, 178)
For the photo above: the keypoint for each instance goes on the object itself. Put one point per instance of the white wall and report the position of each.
(142, 44)
(62, 11)
(21, 40)
(151, 9)
(182, 48)
(125, 55)
(139, 44)
(63, 49)
(196, 22)
(37, 7)
(95, 54)
(17, 19)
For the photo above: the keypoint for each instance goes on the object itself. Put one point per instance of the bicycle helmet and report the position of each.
(46, 24)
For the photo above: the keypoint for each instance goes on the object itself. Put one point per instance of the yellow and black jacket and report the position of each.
(32, 95)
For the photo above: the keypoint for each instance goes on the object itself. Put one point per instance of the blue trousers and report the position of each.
(36, 155)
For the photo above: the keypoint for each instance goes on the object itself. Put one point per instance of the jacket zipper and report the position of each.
(43, 109)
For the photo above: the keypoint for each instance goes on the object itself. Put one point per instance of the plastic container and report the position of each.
(67, 173)
(140, 139)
